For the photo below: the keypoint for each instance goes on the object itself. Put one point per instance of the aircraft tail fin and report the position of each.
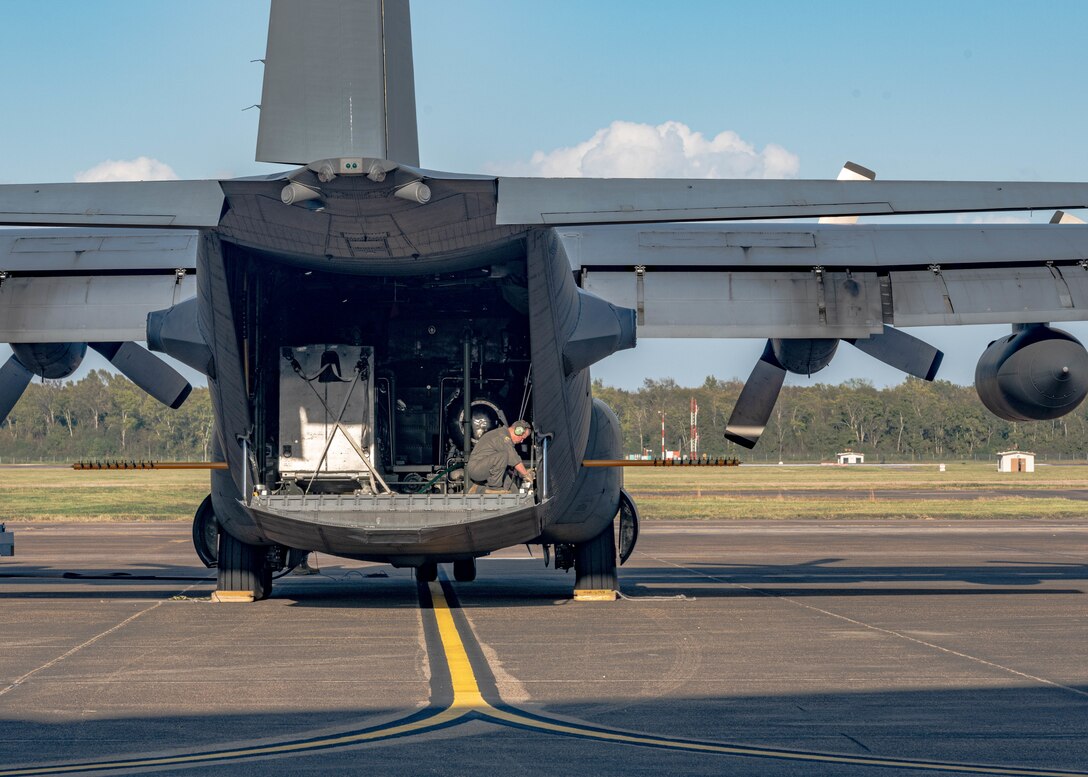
(338, 82)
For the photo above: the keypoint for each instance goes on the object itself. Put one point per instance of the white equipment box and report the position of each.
(326, 397)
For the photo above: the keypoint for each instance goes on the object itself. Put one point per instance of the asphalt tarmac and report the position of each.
(972, 494)
(747, 648)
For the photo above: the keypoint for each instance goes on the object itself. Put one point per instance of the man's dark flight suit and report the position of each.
(491, 459)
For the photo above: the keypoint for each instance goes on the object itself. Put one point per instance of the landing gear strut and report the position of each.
(595, 568)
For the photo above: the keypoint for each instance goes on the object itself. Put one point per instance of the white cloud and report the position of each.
(140, 169)
(671, 150)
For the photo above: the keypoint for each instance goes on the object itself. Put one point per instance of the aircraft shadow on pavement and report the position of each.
(995, 572)
(1034, 727)
(382, 586)
(148, 581)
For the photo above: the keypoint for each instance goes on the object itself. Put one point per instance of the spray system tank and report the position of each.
(1034, 374)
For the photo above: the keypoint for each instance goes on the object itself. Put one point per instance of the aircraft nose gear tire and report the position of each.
(242, 570)
(595, 568)
(427, 572)
(464, 571)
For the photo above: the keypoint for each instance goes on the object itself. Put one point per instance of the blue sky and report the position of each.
(946, 90)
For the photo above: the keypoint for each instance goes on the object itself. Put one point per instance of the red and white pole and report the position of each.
(694, 439)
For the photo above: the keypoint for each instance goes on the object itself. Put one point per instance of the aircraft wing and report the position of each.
(176, 204)
(567, 201)
(64, 285)
(684, 280)
(831, 281)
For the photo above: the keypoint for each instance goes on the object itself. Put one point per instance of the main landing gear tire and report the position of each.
(464, 571)
(242, 570)
(206, 533)
(427, 572)
(595, 568)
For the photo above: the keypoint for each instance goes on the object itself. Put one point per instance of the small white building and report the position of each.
(1016, 461)
(849, 457)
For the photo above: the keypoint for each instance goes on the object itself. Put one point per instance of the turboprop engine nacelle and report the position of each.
(1034, 374)
(50, 360)
(804, 357)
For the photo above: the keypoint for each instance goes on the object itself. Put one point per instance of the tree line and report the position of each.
(104, 416)
(916, 420)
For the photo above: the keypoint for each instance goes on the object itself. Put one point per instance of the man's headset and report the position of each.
(521, 428)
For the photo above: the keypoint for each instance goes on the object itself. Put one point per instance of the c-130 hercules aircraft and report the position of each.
(362, 320)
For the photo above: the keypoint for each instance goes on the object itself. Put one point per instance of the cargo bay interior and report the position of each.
(358, 383)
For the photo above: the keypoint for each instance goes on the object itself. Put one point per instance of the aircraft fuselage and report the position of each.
(381, 315)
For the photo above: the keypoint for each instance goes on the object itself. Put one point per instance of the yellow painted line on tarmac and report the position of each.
(469, 704)
(384, 732)
(467, 697)
(466, 689)
(620, 737)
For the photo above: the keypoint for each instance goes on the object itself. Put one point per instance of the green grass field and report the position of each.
(769, 477)
(964, 491)
(41, 494)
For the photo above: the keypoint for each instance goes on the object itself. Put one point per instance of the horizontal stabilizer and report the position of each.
(568, 201)
(191, 204)
(14, 378)
(756, 401)
(147, 371)
(905, 352)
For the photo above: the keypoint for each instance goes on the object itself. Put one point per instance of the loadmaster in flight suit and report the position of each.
(493, 456)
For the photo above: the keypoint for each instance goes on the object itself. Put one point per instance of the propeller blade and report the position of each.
(1061, 217)
(905, 352)
(756, 401)
(893, 347)
(14, 378)
(147, 371)
(850, 172)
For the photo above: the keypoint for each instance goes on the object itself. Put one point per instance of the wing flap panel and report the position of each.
(744, 304)
(85, 308)
(1017, 295)
(772, 246)
(787, 304)
(71, 250)
(716, 281)
(190, 204)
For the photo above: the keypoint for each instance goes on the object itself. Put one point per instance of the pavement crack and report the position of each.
(889, 632)
(19, 681)
(857, 742)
